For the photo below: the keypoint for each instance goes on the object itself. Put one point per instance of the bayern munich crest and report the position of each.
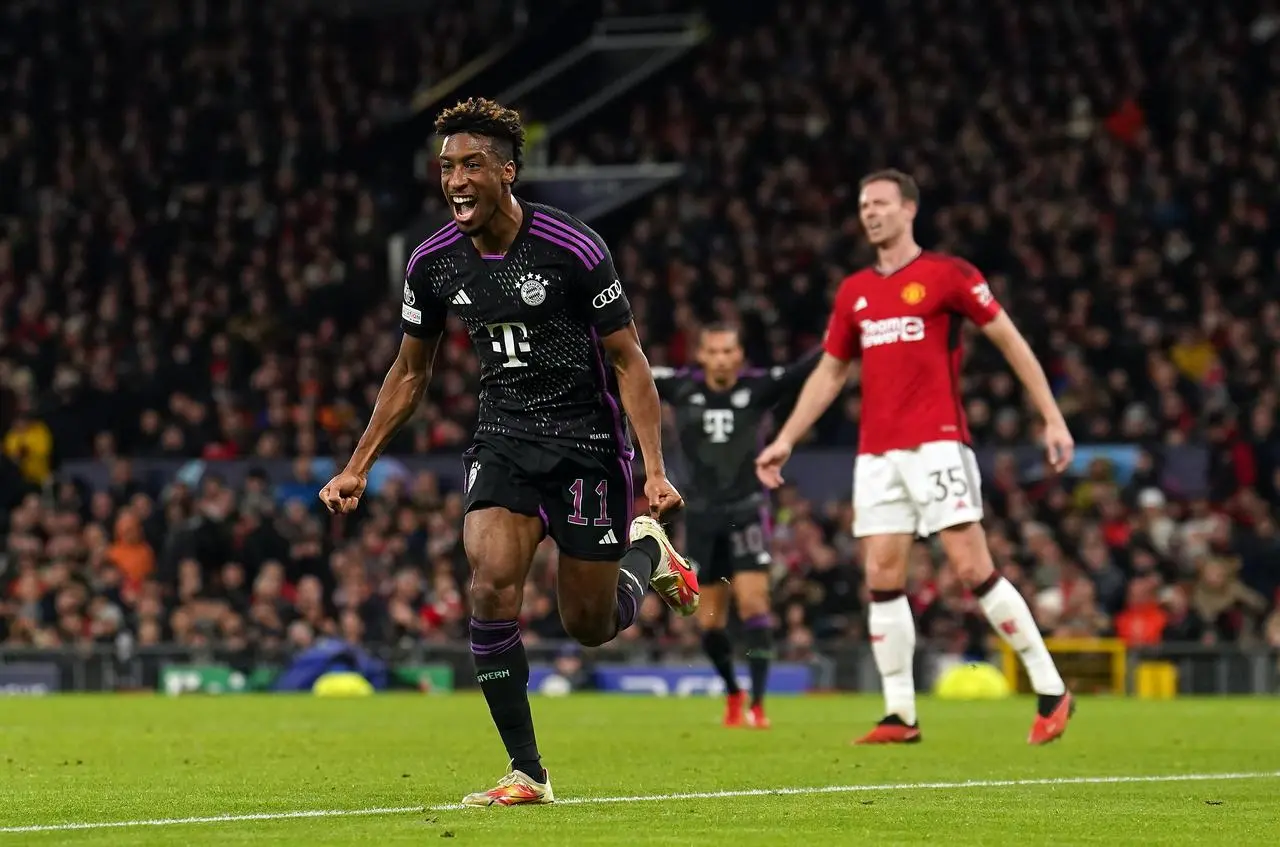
(533, 289)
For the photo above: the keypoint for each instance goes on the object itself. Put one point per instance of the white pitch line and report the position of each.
(915, 786)
(653, 798)
(260, 816)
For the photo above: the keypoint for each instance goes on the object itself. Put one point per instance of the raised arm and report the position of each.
(783, 380)
(640, 401)
(422, 319)
(820, 390)
(827, 379)
(667, 381)
(401, 392)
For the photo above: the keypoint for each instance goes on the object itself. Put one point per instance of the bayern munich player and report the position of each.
(915, 474)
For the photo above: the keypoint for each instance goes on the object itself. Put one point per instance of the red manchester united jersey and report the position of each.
(906, 327)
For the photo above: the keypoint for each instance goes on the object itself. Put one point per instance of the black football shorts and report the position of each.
(584, 498)
(726, 542)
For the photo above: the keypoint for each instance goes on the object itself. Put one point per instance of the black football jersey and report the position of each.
(536, 317)
(721, 432)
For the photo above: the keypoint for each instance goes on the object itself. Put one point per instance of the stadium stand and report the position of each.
(188, 270)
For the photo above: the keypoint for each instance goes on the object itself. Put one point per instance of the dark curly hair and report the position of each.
(479, 116)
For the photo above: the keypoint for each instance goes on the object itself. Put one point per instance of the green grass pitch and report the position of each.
(1205, 772)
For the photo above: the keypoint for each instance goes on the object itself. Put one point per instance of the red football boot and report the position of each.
(733, 704)
(756, 718)
(892, 730)
(1050, 727)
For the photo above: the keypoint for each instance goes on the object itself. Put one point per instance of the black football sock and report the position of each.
(720, 651)
(502, 669)
(1046, 703)
(758, 634)
(635, 570)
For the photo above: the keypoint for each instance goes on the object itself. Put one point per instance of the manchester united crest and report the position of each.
(912, 293)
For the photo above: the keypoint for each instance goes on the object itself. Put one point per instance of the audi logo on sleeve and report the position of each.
(604, 298)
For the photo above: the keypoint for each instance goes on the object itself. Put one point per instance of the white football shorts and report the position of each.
(921, 491)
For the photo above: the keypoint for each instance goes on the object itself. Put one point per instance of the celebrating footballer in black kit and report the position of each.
(720, 413)
(560, 365)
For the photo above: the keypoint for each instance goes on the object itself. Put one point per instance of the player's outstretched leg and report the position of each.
(713, 614)
(892, 630)
(751, 591)
(599, 598)
(597, 601)
(500, 546)
(635, 570)
(966, 548)
(673, 579)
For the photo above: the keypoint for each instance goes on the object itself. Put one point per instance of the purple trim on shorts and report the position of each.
(625, 461)
(625, 453)
(766, 523)
(758, 622)
(546, 524)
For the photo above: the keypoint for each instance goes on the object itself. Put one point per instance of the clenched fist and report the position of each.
(342, 493)
(662, 495)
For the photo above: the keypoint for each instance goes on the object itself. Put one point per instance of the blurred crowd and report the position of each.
(187, 264)
(191, 267)
(204, 564)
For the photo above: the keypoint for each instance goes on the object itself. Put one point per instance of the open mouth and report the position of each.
(464, 206)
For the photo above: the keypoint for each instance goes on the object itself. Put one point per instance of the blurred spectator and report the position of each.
(29, 444)
(1230, 609)
(1142, 621)
(1182, 623)
(131, 554)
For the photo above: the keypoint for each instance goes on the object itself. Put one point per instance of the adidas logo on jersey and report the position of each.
(461, 299)
(609, 538)
(860, 305)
